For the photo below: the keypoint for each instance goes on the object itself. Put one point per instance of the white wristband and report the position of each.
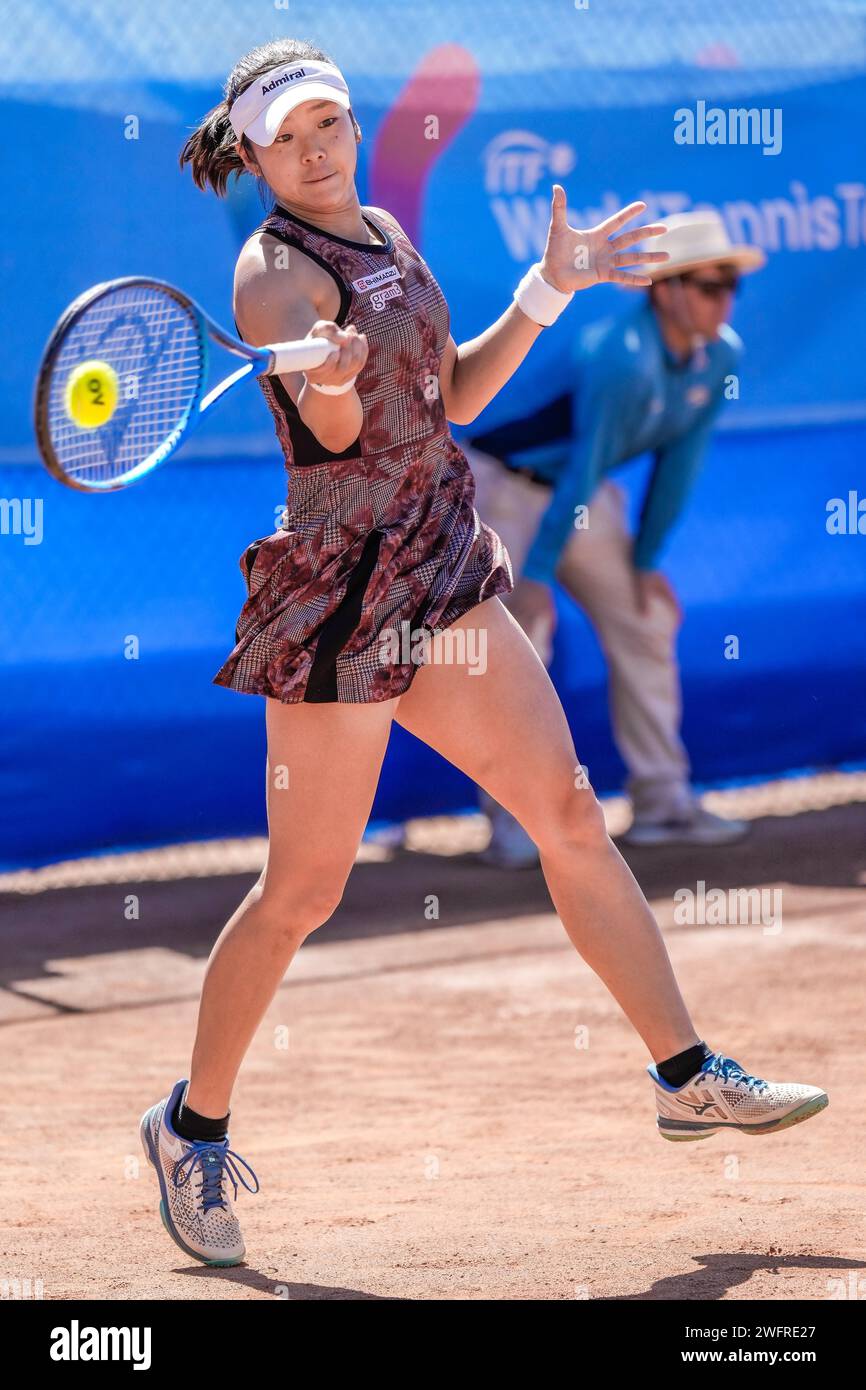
(333, 390)
(539, 300)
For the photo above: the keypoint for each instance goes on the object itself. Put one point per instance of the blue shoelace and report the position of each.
(729, 1070)
(213, 1161)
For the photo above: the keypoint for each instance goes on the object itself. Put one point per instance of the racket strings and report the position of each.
(153, 344)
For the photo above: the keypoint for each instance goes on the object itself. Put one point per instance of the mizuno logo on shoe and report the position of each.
(700, 1109)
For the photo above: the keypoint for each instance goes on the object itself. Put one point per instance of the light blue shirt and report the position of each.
(631, 396)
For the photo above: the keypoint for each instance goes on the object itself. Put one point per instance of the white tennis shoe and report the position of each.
(510, 846)
(195, 1206)
(724, 1096)
(696, 826)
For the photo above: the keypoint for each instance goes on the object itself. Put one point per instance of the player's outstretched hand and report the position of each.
(574, 260)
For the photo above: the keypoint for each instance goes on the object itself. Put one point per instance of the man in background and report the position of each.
(651, 381)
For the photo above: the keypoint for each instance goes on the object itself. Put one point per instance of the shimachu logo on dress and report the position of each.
(378, 286)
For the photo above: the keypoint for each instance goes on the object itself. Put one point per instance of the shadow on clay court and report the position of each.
(719, 1272)
(289, 1289)
(819, 848)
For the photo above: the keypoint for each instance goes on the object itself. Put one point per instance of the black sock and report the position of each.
(676, 1071)
(190, 1125)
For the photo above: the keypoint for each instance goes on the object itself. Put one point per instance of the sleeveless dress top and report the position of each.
(380, 544)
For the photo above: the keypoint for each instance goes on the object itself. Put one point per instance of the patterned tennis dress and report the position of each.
(380, 544)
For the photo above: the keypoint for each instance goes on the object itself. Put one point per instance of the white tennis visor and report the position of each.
(260, 110)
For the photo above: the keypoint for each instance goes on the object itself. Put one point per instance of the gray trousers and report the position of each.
(644, 692)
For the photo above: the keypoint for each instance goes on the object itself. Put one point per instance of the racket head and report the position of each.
(155, 340)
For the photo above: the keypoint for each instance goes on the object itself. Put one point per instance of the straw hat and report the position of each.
(694, 239)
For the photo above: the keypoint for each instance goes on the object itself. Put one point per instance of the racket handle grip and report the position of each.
(301, 356)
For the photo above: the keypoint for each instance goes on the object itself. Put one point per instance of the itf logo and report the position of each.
(516, 162)
(519, 168)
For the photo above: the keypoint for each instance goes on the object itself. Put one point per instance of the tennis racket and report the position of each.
(122, 380)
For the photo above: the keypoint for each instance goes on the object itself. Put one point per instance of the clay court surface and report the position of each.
(421, 1122)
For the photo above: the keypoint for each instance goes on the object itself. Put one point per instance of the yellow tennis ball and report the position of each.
(91, 394)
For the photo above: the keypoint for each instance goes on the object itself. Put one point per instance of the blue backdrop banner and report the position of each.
(757, 112)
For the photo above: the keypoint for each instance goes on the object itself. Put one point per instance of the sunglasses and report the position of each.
(713, 289)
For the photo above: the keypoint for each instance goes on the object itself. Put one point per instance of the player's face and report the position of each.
(311, 163)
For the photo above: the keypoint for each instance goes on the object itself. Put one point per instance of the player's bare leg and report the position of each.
(322, 769)
(506, 729)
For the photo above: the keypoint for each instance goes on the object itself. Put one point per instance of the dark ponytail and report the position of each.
(210, 149)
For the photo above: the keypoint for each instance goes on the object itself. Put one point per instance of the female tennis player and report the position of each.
(380, 540)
